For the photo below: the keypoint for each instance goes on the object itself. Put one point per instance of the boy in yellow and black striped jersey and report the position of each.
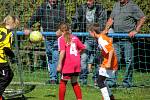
(6, 74)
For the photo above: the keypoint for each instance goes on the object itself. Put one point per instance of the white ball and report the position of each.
(35, 37)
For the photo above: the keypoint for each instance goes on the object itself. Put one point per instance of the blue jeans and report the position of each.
(84, 68)
(52, 58)
(95, 73)
(126, 48)
(88, 58)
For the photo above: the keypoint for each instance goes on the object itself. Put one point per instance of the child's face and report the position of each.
(11, 25)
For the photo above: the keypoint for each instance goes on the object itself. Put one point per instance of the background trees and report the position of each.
(25, 8)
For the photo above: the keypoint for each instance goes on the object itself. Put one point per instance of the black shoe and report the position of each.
(126, 85)
(51, 82)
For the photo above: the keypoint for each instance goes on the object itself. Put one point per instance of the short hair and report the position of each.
(94, 28)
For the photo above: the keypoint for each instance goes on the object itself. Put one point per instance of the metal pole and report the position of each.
(19, 65)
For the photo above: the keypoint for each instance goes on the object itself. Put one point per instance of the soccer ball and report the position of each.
(35, 37)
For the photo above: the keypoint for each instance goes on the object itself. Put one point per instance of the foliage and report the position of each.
(25, 8)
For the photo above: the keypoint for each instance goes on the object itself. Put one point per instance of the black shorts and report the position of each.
(6, 75)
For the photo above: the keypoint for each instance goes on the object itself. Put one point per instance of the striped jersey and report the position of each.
(5, 41)
(106, 45)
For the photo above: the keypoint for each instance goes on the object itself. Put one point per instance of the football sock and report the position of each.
(62, 89)
(105, 93)
(77, 91)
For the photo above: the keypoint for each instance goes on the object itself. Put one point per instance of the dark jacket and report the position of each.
(79, 20)
(48, 17)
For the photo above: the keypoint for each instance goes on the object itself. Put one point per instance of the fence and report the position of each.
(33, 63)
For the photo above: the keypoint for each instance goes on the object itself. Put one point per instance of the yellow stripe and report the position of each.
(5, 43)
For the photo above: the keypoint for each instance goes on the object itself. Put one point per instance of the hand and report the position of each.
(59, 68)
(132, 34)
(27, 31)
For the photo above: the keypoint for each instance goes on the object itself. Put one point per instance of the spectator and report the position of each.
(70, 48)
(109, 65)
(86, 14)
(6, 73)
(126, 17)
(49, 14)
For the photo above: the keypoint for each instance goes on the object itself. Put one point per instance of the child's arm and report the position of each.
(81, 47)
(110, 58)
(9, 52)
(61, 57)
(108, 25)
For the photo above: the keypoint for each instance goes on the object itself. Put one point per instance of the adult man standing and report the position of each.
(50, 14)
(126, 17)
(86, 14)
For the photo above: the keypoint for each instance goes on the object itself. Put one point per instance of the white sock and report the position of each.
(105, 93)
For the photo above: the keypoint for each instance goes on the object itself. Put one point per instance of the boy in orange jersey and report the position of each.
(109, 65)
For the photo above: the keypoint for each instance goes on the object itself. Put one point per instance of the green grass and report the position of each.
(50, 92)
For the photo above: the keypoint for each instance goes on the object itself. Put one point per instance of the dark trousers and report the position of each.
(6, 75)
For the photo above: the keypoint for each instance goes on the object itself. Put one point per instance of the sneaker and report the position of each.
(126, 85)
(111, 97)
(51, 82)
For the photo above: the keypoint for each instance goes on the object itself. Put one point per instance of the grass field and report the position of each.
(50, 92)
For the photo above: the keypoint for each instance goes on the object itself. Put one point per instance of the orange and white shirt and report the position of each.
(106, 45)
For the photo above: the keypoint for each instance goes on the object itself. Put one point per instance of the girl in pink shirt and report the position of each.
(70, 48)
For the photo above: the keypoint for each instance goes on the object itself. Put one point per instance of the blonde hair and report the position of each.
(64, 27)
(11, 20)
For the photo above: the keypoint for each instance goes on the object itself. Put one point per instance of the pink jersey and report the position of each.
(71, 62)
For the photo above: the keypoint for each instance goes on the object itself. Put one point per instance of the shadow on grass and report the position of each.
(21, 98)
(50, 95)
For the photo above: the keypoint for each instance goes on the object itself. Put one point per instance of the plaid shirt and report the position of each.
(49, 17)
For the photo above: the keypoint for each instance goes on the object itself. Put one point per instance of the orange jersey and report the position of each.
(106, 45)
